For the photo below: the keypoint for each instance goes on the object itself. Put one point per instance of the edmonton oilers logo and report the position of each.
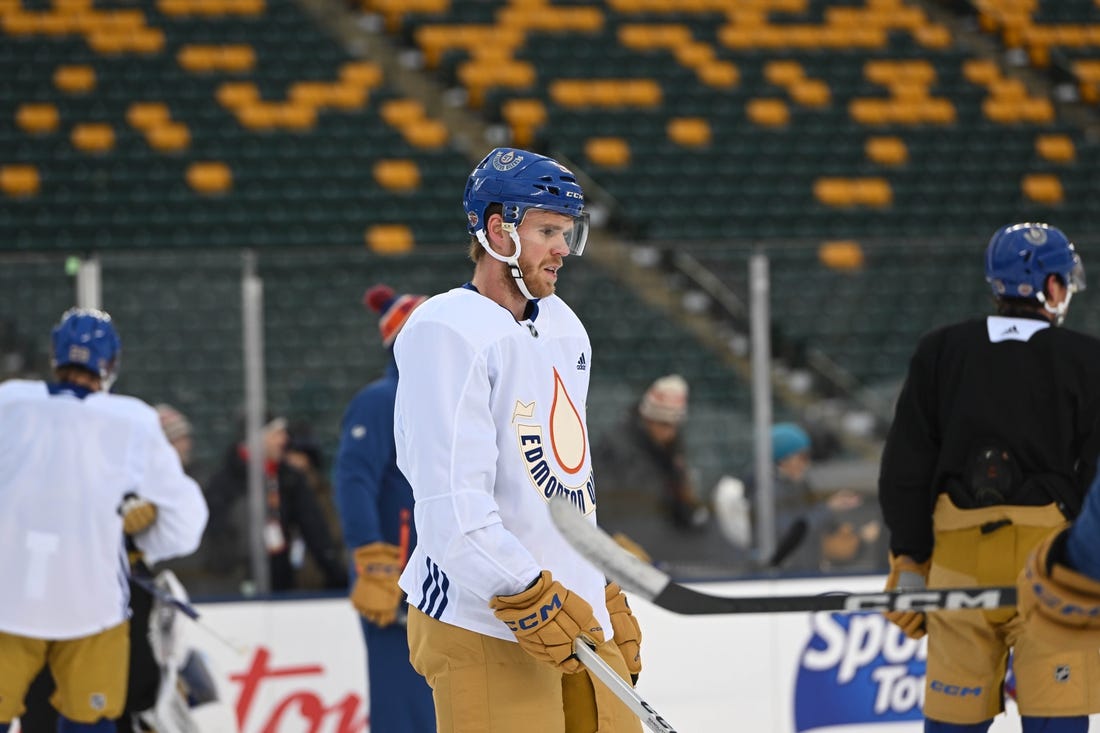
(1036, 235)
(506, 161)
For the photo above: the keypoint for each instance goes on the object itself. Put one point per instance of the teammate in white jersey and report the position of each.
(489, 423)
(77, 466)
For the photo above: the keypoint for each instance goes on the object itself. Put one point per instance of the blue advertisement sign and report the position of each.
(858, 668)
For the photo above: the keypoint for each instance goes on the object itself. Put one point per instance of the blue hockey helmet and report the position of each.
(1020, 257)
(520, 180)
(86, 338)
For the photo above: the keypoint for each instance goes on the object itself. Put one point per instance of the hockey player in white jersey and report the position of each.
(78, 465)
(489, 424)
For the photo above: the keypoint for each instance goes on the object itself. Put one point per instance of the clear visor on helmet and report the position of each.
(1076, 276)
(575, 234)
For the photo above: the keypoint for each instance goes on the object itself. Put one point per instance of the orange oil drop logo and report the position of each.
(566, 430)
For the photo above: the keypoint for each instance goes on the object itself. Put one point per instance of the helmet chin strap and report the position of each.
(1058, 311)
(512, 260)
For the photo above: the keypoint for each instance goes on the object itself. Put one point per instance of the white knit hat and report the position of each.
(666, 400)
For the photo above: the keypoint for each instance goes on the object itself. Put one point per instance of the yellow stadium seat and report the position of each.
(608, 152)
(1037, 110)
(397, 175)
(37, 117)
(168, 138)
(1056, 148)
(93, 137)
(693, 54)
(1043, 188)
(478, 77)
(347, 96)
(998, 110)
(74, 79)
(870, 111)
(689, 132)
(811, 93)
(939, 111)
(389, 239)
(783, 73)
(401, 112)
(146, 41)
(310, 93)
(524, 116)
(258, 115)
(147, 115)
(718, 74)
(836, 192)
(236, 58)
(361, 73)
(886, 150)
(19, 181)
(232, 95)
(425, 134)
(981, 71)
(841, 255)
(768, 112)
(936, 37)
(292, 116)
(644, 37)
(873, 192)
(197, 59)
(209, 177)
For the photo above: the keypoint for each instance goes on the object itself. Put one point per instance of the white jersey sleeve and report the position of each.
(446, 447)
(181, 508)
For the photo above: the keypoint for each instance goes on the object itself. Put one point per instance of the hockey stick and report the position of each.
(187, 609)
(657, 587)
(616, 684)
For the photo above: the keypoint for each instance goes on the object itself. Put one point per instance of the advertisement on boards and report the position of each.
(298, 666)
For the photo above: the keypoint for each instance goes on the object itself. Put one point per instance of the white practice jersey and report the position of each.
(490, 423)
(66, 462)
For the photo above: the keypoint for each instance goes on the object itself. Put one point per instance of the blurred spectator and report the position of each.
(840, 530)
(644, 486)
(304, 453)
(177, 428)
(376, 508)
(292, 511)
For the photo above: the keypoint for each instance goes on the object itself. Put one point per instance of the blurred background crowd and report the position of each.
(867, 147)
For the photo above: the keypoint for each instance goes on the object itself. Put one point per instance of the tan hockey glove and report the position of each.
(1058, 605)
(907, 574)
(137, 514)
(631, 546)
(628, 634)
(546, 618)
(376, 594)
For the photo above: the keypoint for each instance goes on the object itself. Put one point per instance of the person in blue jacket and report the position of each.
(376, 512)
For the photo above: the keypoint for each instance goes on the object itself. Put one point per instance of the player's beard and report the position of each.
(534, 277)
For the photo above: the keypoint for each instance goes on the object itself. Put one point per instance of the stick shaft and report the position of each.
(622, 690)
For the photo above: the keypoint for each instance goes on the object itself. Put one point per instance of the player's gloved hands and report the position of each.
(376, 594)
(137, 514)
(1058, 605)
(628, 634)
(546, 618)
(907, 574)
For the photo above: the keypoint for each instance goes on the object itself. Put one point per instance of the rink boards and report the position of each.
(301, 667)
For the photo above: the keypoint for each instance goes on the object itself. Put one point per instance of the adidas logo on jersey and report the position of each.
(1010, 330)
(581, 364)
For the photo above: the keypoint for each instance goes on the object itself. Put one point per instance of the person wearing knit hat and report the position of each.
(392, 309)
(374, 502)
(787, 440)
(648, 499)
(666, 400)
(177, 428)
